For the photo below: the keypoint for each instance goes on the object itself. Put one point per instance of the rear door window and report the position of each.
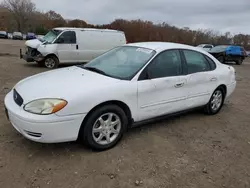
(196, 62)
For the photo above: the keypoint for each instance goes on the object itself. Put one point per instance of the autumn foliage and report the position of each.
(23, 16)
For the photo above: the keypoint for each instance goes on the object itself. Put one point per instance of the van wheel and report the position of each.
(104, 127)
(216, 102)
(51, 62)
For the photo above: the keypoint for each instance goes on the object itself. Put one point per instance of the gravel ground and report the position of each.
(191, 150)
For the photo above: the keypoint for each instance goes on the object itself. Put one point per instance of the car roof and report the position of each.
(160, 46)
(85, 29)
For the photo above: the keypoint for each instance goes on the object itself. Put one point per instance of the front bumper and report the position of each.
(17, 38)
(43, 128)
(28, 58)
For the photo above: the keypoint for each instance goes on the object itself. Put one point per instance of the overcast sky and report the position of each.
(221, 15)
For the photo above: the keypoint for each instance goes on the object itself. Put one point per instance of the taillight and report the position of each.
(126, 42)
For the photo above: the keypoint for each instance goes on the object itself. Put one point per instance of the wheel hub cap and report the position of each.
(50, 63)
(216, 100)
(106, 128)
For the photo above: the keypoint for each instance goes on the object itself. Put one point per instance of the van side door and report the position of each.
(88, 42)
(67, 47)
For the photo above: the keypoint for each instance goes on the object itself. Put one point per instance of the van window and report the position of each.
(68, 37)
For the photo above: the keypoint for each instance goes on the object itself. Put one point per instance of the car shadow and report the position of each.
(169, 120)
(74, 148)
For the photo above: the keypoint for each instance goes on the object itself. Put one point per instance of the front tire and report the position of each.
(104, 127)
(51, 62)
(216, 102)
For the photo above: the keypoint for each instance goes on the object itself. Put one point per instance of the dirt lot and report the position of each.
(192, 150)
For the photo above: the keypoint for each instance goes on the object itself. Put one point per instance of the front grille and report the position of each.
(37, 135)
(31, 51)
(17, 98)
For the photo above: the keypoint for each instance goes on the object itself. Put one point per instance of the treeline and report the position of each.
(22, 15)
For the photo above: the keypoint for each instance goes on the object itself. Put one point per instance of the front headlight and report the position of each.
(45, 106)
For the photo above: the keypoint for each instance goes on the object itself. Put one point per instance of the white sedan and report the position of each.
(127, 85)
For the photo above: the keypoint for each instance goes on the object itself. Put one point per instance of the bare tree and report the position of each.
(22, 11)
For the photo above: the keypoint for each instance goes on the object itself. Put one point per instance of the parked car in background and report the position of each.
(3, 35)
(205, 47)
(30, 36)
(17, 36)
(71, 45)
(10, 35)
(227, 53)
(40, 37)
(24, 36)
(121, 88)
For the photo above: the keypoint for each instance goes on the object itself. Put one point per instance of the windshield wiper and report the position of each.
(95, 70)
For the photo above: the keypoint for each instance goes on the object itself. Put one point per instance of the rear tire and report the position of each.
(104, 127)
(51, 62)
(221, 59)
(239, 61)
(216, 102)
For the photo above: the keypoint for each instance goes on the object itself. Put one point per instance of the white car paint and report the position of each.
(35, 43)
(89, 44)
(84, 90)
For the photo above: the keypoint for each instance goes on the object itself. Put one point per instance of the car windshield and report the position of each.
(50, 36)
(219, 48)
(121, 62)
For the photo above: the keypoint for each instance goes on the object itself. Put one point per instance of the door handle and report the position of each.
(179, 85)
(77, 47)
(213, 79)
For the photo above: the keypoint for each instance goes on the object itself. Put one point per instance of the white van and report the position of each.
(71, 45)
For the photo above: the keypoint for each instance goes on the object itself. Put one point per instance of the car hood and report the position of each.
(35, 43)
(64, 83)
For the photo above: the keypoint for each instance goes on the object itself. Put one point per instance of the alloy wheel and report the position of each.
(50, 63)
(106, 128)
(217, 100)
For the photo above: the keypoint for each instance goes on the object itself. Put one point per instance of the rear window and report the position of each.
(211, 63)
(242, 49)
(219, 48)
(208, 46)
